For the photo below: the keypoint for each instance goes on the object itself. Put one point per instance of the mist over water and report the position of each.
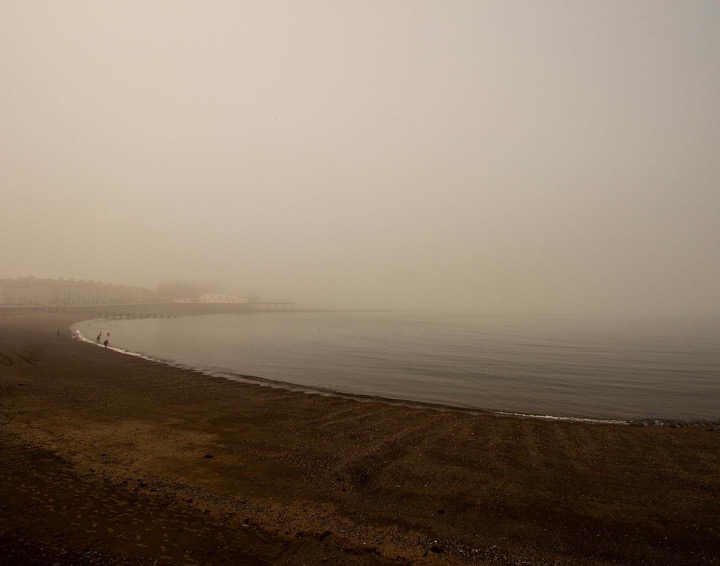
(521, 156)
(566, 367)
(534, 158)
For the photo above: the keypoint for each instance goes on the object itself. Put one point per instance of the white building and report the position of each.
(222, 298)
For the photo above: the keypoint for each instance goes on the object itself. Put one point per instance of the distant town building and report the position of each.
(216, 298)
(223, 298)
(32, 291)
(180, 290)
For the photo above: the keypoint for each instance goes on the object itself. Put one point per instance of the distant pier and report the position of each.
(151, 310)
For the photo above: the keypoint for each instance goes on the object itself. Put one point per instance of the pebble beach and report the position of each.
(113, 459)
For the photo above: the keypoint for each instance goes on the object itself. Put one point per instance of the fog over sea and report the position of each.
(565, 367)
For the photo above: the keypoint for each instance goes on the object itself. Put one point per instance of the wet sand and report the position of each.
(111, 459)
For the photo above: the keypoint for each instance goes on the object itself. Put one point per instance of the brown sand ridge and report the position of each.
(111, 459)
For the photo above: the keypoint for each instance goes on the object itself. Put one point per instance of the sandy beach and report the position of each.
(111, 459)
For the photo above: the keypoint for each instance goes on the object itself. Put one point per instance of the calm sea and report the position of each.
(605, 369)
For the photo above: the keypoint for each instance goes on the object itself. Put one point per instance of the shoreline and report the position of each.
(104, 448)
(290, 386)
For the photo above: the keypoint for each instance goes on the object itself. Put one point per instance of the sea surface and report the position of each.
(619, 369)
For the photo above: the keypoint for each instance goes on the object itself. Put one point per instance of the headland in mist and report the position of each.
(60, 292)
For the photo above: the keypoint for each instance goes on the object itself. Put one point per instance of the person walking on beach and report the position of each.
(106, 343)
(98, 338)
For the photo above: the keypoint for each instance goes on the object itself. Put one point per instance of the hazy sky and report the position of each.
(496, 155)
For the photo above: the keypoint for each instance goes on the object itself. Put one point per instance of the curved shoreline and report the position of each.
(117, 459)
(290, 386)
